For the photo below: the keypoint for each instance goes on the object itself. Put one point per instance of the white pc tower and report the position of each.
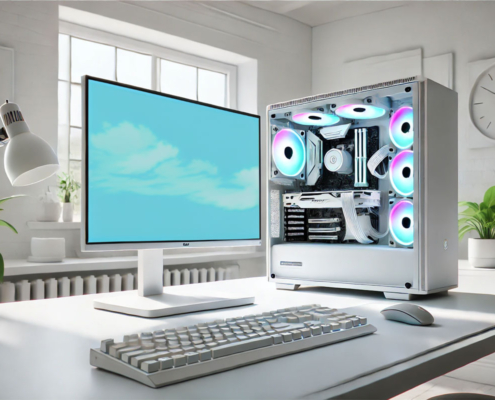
(163, 172)
(362, 189)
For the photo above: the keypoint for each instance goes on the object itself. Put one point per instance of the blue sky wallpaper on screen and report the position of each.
(163, 169)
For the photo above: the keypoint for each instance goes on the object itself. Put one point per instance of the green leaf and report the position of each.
(12, 197)
(464, 230)
(469, 204)
(489, 198)
(468, 212)
(5, 223)
(2, 268)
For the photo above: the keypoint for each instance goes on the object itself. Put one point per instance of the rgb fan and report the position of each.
(401, 173)
(315, 118)
(359, 111)
(288, 152)
(401, 223)
(401, 128)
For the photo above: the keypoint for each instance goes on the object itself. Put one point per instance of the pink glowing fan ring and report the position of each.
(401, 222)
(401, 173)
(360, 111)
(401, 128)
(289, 152)
(315, 118)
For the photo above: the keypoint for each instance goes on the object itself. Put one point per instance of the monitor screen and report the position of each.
(165, 169)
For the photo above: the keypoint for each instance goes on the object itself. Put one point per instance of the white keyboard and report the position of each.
(168, 356)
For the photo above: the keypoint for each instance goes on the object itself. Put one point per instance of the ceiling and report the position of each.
(314, 13)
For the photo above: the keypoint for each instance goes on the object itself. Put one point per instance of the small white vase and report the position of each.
(481, 252)
(50, 212)
(68, 212)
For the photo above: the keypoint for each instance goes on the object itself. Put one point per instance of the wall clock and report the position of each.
(482, 103)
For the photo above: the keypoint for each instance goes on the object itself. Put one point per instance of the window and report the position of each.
(138, 64)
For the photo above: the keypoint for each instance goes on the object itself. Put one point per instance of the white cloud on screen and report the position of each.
(143, 164)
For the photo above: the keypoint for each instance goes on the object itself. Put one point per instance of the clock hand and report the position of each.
(487, 89)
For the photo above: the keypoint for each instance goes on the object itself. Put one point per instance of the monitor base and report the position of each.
(167, 304)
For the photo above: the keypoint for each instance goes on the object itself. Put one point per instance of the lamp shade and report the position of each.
(28, 158)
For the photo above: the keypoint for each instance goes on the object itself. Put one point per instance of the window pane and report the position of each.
(63, 57)
(63, 148)
(211, 87)
(63, 103)
(134, 68)
(75, 105)
(75, 170)
(178, 79)
(90, 58)
(75, 144)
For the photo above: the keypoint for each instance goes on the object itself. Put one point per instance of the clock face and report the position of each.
(482, 103)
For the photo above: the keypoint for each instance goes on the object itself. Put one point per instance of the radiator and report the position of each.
(51, 288)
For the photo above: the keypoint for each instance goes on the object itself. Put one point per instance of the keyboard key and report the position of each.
(335, 326)
(136, 361)
(305, 332)
(345, 324)
(277, 339)
(128, 338)
(179, 360)
(150, 366)
(287, 337)
(239, 347)
(105, 345)
(126, 350)
(296, 335)
(166, 363)
(204, 355)
(315, 330)
(192, 357)
(114, 347)
(127, 357)
(290, 327)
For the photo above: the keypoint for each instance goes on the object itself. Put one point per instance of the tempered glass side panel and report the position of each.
(385, 262)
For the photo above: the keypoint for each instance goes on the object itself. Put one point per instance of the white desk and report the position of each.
(44, 349)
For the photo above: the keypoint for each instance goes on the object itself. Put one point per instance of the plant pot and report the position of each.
(481, 253)
(50, 212)
(68, 212)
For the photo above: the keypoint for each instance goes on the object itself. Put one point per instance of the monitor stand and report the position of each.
(153, 300)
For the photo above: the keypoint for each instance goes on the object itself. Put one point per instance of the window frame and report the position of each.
(156, 52)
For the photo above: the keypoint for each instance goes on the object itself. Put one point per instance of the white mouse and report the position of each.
(408, 313)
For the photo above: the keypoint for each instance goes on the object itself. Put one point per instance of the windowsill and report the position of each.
(466, 269)
(54, 225)
(23, 267)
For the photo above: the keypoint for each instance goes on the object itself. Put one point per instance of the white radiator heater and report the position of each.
(49, 288)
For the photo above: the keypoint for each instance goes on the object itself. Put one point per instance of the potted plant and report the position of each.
(50, 207)
(5, 223)
(480, 218)
(68, 188)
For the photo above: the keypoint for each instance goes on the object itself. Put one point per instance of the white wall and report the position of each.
(464, 28)
(31, 29)
(276, 42)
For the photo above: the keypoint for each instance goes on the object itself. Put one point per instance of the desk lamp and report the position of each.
(28, 158)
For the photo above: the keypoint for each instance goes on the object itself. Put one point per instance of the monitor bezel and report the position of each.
(140, 245)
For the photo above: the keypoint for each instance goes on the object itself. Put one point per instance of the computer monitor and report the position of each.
(160, 171)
